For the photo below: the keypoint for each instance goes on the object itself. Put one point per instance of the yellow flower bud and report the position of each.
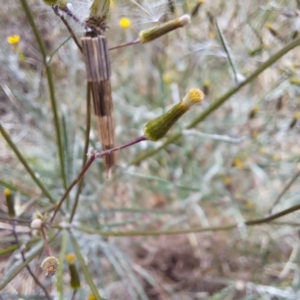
(70, 258)
(237, 162)
(10, 203)
(91, 297)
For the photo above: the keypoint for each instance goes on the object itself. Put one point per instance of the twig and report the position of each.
(51, 88)
(94, 155)
(56, 11)
(54, 52)
(86, 147)
(74, 295)
(219, 101)
(137, 41)
(46, 245)
(248, 223)
(27, 266)
(72, 15)
(285, 189)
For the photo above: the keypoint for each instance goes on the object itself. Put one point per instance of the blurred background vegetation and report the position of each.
(232, 167)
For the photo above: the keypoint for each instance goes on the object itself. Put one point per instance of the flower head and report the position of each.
(91, 297)
(13, 39)
(124, 22)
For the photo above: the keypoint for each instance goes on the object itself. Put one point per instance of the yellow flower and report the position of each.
(7, 192)
(211, 35)
(227, 180)
(124, 22)
(91, 297)
(13, 39)
(70, 258)
(237, 162)
(254, 133)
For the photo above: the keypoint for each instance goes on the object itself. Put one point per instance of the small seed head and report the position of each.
(49, 265)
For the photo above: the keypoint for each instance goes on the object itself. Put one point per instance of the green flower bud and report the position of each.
(60, 3)
(157, 128)
(294, 81)
(10, 203)
(153, 33)
(75, 279)
(100, 8)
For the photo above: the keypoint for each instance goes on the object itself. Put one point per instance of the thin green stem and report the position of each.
(85, 271)
(25, 164)
(225, 46)
(248, 223)
(51, 88)
(218, 102)
(55, 51)
(85, 150)
(285, 189)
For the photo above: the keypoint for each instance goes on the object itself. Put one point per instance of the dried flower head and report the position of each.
(49, 265)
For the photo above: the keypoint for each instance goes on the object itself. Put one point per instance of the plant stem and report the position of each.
(62, 17)
(248, 223)
(51, 87)
(94, 155)
(218, 102)
(285, 189)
